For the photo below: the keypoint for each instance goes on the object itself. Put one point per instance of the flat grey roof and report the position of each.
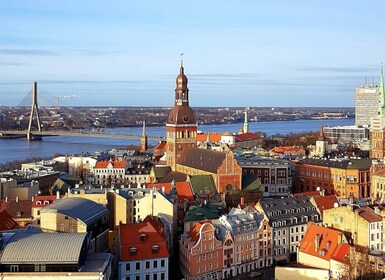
(83, 209)
(46, 248)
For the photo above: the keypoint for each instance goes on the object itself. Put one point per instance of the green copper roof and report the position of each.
(202, 183)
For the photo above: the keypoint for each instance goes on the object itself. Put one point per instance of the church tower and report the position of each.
(181, 127)
(321, 144)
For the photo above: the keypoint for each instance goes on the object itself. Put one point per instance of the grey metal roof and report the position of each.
(287, 208)
(83, 209)
(48, 248)
(241, 222)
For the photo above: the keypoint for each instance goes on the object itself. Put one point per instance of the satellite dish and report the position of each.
(335, 205)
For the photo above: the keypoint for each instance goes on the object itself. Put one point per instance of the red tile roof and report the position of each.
(325, 202)
(161, 146)
(130, 238)
(17, 209)
(41, 201)
(6, 221)
(328, 241)
(246, 137)
(310, 194)
(115, 164)
(183, 189)
(174, 176)
(368, 214)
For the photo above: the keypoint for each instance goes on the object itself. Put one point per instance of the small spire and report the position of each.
(181, 60)
(321, 136)
(144, 129)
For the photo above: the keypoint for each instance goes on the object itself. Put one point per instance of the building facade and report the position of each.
(365, 226)
(276, 175)
(143, 252)
(344, 177)
(201, 255)
(366, 104)
(288, 218)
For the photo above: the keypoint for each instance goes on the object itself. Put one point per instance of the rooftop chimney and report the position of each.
(316, 242)
(57, 195)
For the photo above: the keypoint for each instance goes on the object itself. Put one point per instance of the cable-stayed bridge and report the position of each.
(35, 131)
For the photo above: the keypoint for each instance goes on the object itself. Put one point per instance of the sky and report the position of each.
(257, 53)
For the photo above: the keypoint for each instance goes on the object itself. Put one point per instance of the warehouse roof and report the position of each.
(48, 248)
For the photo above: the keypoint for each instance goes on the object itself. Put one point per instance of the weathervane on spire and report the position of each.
(181, 59)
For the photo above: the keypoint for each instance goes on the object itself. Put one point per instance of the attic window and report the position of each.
(132, 251)
(328, 244)
(143, 237)
(155, 249)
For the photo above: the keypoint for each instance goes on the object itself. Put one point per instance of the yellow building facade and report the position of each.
(363, 224)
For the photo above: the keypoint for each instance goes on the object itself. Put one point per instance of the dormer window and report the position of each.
(46, 202)
(328, 244)
(38, 202)
(133, 251)
(155, 249)
(143, 237)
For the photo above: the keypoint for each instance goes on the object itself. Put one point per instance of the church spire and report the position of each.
(246, 123)
(143, 140)
(144, 129)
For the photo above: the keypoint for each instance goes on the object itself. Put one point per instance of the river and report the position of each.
(19, 149)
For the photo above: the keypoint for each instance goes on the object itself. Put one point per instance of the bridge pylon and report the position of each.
(34, 109)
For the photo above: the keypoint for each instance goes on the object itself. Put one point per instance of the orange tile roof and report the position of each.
(341, 253)
(183, 189)
(6, 221)
(130, 237)
(328, 242)
(193, 233)
(210, 137)
(115, 164)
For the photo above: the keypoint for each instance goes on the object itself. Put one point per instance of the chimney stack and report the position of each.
(242, 201)
(57, 195)
(316, 242)
(17, 199)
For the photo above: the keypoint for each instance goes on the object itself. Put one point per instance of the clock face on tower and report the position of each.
(185, 118)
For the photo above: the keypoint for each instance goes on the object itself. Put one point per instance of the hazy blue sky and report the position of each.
(237, 53)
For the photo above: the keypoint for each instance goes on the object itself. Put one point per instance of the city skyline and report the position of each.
(264, 54)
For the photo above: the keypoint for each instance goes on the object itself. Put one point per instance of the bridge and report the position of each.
(24, 133)
(32, 134)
